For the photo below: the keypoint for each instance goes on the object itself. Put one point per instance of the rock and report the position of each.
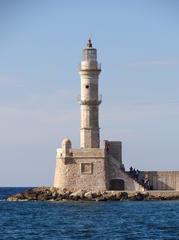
(40, 197)
(135, 196)
(60, 191)
(32, 196)
(16, 197)
(12, 199)
(66, 195)
(77, 195)
(88, 195)
(55, 194)
(118, 195)
(59, 198)
(124, 196)
(110, 195)
(53, 190)
(96, 194)
(101, 198)
(145, 195)
(139, 196)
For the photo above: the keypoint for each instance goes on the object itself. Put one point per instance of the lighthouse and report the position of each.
(91, 167)
(89, 99)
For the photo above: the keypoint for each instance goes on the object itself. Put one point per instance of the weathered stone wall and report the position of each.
(115, 172)
(82, 169)
(95, 169)
(91, 169)
(114, 148)
(163, 180)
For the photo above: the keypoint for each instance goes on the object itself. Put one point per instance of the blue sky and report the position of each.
(40, 49)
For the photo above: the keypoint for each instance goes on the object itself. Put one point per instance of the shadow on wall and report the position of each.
(162, 180)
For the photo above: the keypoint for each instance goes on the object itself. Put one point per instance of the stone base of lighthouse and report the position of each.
(92, 169)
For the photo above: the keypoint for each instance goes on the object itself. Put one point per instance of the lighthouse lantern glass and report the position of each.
(89, 55)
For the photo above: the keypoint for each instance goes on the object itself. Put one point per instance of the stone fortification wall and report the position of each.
(92, 169)
(114, 148)
(115, 172)
(163, 180)
(81, 169)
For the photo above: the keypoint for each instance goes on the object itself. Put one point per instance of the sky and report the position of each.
(41, 45)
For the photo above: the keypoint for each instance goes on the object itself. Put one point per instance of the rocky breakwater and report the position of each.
(55, 194)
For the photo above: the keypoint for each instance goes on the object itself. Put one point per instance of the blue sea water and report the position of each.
(87, 220)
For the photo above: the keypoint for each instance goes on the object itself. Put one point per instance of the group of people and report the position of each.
(135, 174)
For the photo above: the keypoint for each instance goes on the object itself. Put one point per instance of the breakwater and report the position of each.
(55, 194)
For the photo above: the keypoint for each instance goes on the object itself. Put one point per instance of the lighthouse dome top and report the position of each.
(89, 43)
(89, 53)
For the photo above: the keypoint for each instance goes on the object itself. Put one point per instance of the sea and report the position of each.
(87, 220)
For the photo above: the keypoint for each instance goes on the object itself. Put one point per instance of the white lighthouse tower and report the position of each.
(89, 99)
(91, 167)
